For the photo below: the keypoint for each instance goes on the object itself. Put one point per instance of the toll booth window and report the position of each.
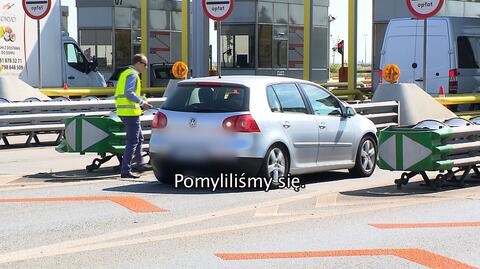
(238, 46)
(468, 52)
(75, 57)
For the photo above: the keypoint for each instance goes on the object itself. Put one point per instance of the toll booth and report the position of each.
(261, 37)
(385, 10)
(111, 31)
(265, 37)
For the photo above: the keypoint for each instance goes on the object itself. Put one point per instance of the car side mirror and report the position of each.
(349, 112)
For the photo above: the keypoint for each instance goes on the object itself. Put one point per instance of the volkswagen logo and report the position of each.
(193, 123)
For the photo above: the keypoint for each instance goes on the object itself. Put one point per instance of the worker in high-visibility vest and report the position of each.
(129, 105)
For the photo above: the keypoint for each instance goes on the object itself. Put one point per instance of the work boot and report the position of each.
(142, 168)
(130, 175)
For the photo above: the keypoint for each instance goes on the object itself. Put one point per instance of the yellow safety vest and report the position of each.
(124, 106)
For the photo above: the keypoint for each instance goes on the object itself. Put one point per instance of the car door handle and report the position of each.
(322, 126)
(419, 80)
(71, 77)
(286, 124)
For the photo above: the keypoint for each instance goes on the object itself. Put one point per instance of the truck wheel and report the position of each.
(366, 159)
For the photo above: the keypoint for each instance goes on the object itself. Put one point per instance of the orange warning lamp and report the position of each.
(391, 73)
(180, 70)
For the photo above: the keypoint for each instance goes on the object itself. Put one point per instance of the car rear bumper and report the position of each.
(234, 165)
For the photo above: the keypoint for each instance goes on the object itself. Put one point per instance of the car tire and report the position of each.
(366, 159)
(276, 163)
(164, 174)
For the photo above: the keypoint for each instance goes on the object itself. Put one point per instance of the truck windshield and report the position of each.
(208, 99)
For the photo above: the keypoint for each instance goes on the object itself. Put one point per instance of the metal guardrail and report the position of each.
(32, 119)
(36, 118)
(82, 92)
(382, 114)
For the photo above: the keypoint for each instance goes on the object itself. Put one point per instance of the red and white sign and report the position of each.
(37, 9)
(423, 9)
(218, 10)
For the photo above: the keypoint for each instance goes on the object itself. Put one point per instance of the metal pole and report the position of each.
(352, 44)
(219, 49)
(425, 32)
(39, 56)
(185, 12)
(144, 25)
(307, 70)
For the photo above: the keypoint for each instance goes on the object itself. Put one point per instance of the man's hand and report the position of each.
(146, 106)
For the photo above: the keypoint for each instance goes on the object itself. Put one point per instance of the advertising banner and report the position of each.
(12, 27)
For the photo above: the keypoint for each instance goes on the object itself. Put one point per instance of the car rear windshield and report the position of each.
(208, 99)
(468, 52)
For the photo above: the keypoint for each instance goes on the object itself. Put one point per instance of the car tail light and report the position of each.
(380, 77)
(159, 121)
(241, 124)
(453, 81)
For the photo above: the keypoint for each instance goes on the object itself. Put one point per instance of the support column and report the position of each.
(185, 13)
(352, 44)
(200, 37)
(144, 49)
(307, 32)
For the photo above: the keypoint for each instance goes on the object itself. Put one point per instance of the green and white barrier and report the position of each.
(453, 147)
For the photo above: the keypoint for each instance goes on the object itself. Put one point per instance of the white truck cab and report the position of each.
(453, 53)
(78, 70)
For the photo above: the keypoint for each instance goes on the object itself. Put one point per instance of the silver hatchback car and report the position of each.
(262, 126)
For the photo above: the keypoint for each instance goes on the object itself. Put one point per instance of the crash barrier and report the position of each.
(451, 148)
(34, 118)
(382, 114)
(82, 92)
(103, 135)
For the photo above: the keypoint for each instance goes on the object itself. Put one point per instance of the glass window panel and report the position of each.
(273, 100)
(265, 46)
(320, 16)
(176, 50)
(123, 17)
(468, 52)
(295, 47)
(280, 14)
(320, 50)
(136, 18)
(176, 20)
(238, 46)
(87, 37)
(290, 98)
(159, 20)
(323, 103)
(296, 13)
(160, 47)
(123, 47)
(265, 12)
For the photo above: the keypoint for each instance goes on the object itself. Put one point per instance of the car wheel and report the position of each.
(276, 164)
(164, 173)
(366, 159)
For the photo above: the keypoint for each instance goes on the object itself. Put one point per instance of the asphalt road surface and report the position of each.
(53, 214)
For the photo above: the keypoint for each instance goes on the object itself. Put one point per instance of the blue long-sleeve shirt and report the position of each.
(131, 87)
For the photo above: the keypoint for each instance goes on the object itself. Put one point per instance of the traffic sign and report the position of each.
(423, 9)
(218, 10)
(37, 9)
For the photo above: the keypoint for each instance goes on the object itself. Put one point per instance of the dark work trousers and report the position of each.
(133, 144)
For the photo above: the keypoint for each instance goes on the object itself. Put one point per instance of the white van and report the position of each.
(453, 51)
